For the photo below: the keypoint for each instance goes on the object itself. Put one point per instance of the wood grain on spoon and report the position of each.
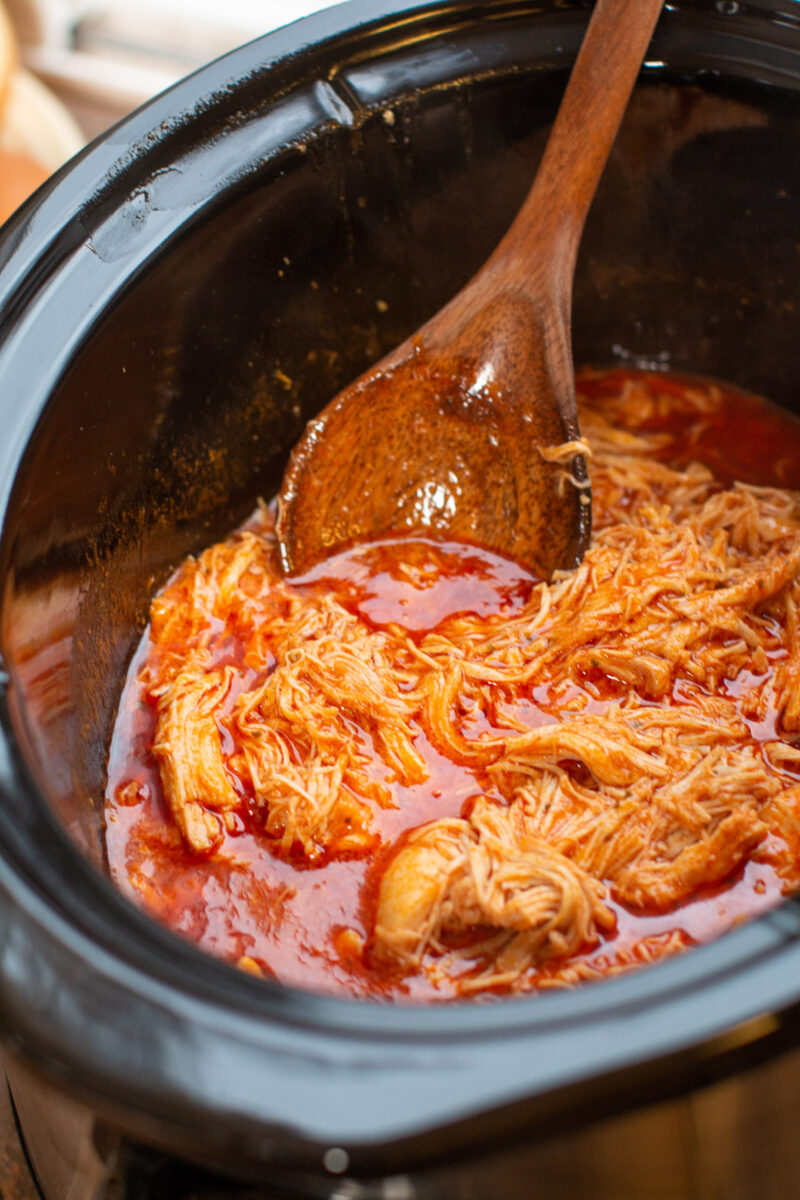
(453, 432)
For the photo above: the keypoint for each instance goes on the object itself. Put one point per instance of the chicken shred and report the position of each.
(188, 748)
(488, 872)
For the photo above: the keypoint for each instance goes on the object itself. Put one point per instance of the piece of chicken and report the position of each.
(486, 875)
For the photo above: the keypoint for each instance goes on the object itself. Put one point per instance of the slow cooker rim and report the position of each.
(763, 939)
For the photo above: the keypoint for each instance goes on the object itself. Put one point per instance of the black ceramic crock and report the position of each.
(173, 306)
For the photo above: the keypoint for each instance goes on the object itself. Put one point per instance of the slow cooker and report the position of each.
(175, 304)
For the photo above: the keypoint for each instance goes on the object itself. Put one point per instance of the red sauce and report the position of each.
(288, 918)
(419, 583)
(746, 438)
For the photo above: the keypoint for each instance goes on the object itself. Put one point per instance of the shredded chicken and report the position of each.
(298, 733)
(608, 723)
(299, 749)
(487, 873)
(188, 748)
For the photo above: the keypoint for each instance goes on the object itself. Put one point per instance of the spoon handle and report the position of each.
(552, 217)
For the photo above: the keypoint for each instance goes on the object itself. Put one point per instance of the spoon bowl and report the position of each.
(469, 428)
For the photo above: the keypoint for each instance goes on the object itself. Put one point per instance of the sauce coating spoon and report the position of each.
(468, 429)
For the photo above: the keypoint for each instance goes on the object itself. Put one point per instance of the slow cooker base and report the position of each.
(733, 1139)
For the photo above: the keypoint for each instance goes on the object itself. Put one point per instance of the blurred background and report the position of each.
(70, 68)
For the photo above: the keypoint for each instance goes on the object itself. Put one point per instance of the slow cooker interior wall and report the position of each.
(181, 408)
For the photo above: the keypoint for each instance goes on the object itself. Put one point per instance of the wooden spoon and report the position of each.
(468, 429)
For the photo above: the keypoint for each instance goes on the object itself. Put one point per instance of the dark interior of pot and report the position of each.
(335, 237)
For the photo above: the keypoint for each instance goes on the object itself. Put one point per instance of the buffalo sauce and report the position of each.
(310, 925)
